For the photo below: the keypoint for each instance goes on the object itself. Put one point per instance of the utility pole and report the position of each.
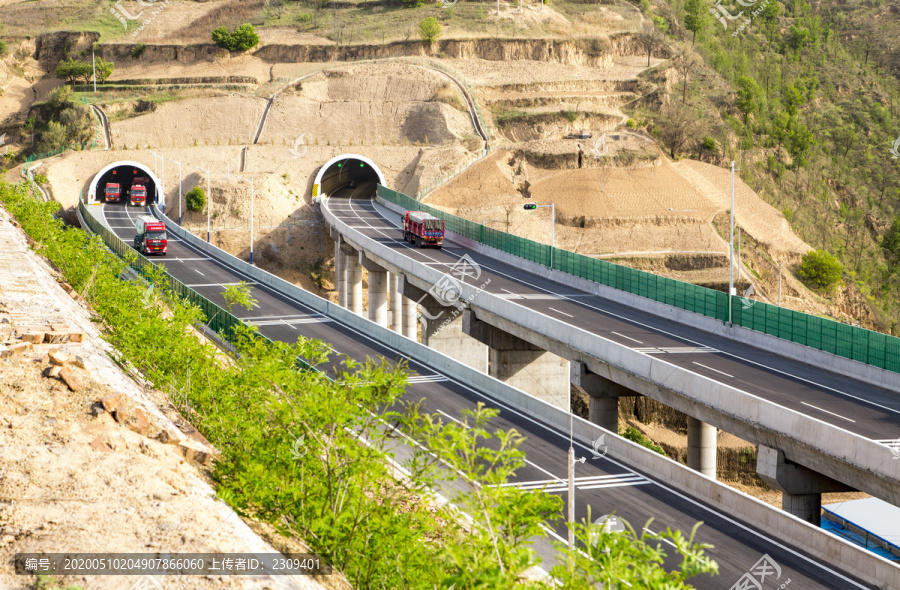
(180, 199)
(779, 284)
(252, 195)
(208, 200)
(731, 248)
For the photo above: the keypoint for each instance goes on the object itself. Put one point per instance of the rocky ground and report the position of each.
(91, 459)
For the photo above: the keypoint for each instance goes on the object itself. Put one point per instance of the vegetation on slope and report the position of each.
(313, 455)
(815, 118)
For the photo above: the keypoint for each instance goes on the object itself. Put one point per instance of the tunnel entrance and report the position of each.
(348, 175)
(123, 174)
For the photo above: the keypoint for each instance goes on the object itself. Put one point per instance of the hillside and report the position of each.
(810, 116)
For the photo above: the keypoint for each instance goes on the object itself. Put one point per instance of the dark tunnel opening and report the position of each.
(124, 175)
(350, 177)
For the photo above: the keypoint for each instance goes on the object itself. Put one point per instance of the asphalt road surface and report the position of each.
(606, 485)
(842, 401)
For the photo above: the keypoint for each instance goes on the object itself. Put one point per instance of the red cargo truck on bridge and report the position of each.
(151, 236)
(423, 229)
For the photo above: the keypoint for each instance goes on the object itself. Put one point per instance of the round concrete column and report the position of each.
(396, 304)
(805, 506)
(604, 412)
(340, 279)
(378, 297)
(354, 284)
(410, 323)
(701, 452)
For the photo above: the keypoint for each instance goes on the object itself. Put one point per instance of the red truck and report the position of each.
(112, 192)
(151, 236)
(138, 193)
(423, 229)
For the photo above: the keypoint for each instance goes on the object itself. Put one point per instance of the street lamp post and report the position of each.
(552, 207)
(252, 195)
(731, 248)
(208, 200)
(779, 284)
(180, 206)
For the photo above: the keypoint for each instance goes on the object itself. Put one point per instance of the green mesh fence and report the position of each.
(851, 342)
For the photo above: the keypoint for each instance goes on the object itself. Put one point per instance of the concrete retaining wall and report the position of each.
(862, 371)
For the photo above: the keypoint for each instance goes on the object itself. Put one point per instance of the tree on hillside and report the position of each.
(820, 270)
(104, 69)
(78, 123)
(684, 63)
(430, 29)
(769, 17)
(677, 125)
(195, 199)
(891, 241)
(650, 39)
(747, 96)
(72, 70)
(799, 38)
(694, 17)
(54, 137)
(798, 141)
(243, 38)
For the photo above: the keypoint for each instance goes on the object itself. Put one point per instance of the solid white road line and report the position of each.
(628, 337)
(560, 312)
(711, 369)
(827, 412)
(198, 272)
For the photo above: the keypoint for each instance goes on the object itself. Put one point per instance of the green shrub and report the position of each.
(138, 50)
(820, 270)
(4, 48)
(709, 144)
(243, 38)
(430, 29)
(635, 435)
(73, 69)
(195, 199)
(631, 123)
(891, 241)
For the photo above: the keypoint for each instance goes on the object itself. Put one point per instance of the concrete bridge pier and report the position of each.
(442, 329)
(351, 293)
(396, 301)
(410, 321)
(603, 409)
(340, 264)
(378, 290)
(701, 451)
(521, 364)
(801, 487)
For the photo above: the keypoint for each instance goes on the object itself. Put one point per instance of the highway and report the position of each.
(845, 402)
(605, 484)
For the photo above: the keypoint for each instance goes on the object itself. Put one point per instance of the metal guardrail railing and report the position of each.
(866, 346)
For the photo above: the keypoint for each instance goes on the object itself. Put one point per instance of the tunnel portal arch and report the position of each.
(327, 170)
(123, 171)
